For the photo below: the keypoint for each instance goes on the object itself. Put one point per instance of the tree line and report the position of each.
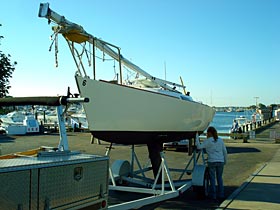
(7, 68)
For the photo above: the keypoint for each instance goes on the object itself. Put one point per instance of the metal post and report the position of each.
(63, 142)
(120, 64)
(93, 56)
(132, 160)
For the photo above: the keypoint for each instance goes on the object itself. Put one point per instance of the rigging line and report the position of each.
(78, 54)
(132, 73)
(103, 54)
(50, 48)
(56, 51)
(114, 66)
(104, 59)
(55, 42)
(89, 57)
(84, 51)
(80, 61)
(107, 59)
(71, 46)
(73, 50)
(129, 73)
(55, 34)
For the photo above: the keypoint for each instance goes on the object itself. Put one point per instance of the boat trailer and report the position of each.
(163, 186)
(130, 176)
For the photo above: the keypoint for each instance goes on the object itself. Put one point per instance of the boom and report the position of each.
(76, 33)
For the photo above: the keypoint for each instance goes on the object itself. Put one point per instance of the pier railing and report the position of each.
(250, 130)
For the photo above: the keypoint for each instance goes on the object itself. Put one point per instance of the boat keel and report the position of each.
(155, 149)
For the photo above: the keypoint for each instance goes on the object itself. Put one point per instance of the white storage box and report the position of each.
(68, 181)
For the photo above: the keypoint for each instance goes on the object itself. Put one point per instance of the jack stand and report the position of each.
(195, 157)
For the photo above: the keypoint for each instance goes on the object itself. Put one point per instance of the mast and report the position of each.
(74, 32)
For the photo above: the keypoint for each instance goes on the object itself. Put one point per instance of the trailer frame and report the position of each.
(121, 171)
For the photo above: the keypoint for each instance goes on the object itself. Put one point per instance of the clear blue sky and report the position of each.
(227, 51)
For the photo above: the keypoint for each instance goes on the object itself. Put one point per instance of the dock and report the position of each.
(251, 130)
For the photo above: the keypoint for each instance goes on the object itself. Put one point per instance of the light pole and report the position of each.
(256, 100)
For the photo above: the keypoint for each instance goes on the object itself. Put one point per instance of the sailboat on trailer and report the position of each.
(152, 110)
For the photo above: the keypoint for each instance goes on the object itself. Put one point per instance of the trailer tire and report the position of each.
(203, 191)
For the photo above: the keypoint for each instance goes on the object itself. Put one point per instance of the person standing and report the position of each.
(217, 158)
(234, 127)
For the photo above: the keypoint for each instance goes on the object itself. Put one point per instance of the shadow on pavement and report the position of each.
(233, 150)
(6, 139)
(188, 200)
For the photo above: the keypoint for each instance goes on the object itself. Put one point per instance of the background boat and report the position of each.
(19, 123)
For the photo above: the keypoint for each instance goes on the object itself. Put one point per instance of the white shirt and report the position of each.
(216, 150)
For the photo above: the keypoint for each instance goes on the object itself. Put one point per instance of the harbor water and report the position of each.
(223, 120)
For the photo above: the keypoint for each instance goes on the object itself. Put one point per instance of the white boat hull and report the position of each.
(127, 115)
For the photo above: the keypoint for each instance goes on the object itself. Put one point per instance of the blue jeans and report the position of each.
(216, 172)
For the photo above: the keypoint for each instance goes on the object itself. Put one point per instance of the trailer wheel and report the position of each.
(120, 169)
(203, 191)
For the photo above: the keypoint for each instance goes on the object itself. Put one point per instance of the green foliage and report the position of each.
(4, 111)
(6, 70)
(273, 106)
(252, 107)
(261, 106)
